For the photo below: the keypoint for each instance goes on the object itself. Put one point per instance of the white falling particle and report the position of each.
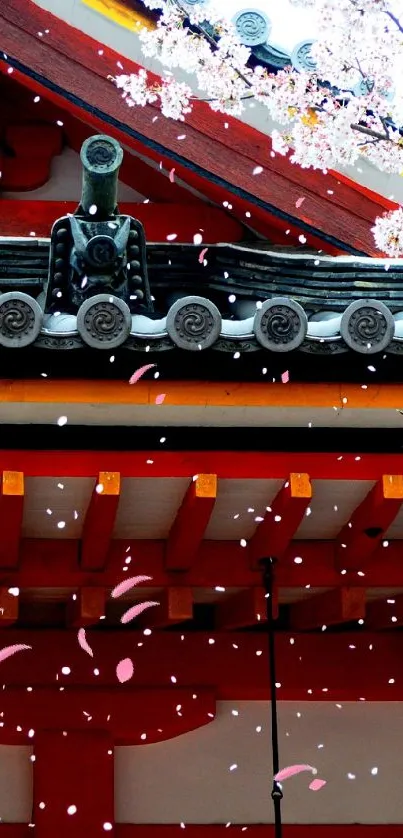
(60, 485)
(61, 525)
(96, 671)
(219, 588)
(308, 511)
(391, 681)
(247, 214)
(391, 601)
(235, 646)
(173, 679)
(62, 420)
(259, 729)
(277, 518)
(71, 810)
(31, 733)
(66, 670)
(302, 239)
(233, 767)
(93, 209)
(235, 712)
(163, 439)
(237, 355)
(42, 805)
(14, 591)
(298, 560)
(211, 641)
(231, 298)
(277, 685)
(171, 237)
(147, 633)
(107, 826)
(197, 238)
(99, 488)
(351, 776)
(385, 543)
(182, 825)
(324, 628)
(143, 736)
(371, 368)
(259, 652)
(292, 641)
(243, 542)
(258, 170)
(374, 771)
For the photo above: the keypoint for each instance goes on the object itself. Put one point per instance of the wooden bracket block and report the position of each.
(340, 605)
(241, 610)
(9, 607)
(176, 606)
(87, 609)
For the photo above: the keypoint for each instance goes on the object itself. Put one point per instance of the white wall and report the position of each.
(188, 779)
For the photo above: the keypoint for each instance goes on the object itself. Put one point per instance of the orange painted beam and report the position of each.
(11, 512)
(242, 610)
(332, 608)
(207, 393)
(100, 521)
(191, 522)
(274, 533)
(361, 536)
(86, 607)
(385, 613)
(176, 606)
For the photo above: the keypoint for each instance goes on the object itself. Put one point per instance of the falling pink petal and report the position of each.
(124, 670)
(285, 377)
(317, 784)
(172, 176)
(140, 372)
(82, 640)
(161, 398)
(125, 586)
(11, 650)
(285, 773)
(136, 610)
(299, 202)
(202, 254)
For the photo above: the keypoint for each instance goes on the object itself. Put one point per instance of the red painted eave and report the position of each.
(64, 65)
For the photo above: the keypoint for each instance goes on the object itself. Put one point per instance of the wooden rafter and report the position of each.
(191, 522)
(360, 537)
(281, 521)
(100, 521)
(341, 605)
(11, 512)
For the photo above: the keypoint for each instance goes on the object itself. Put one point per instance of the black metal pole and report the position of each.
(267, 565)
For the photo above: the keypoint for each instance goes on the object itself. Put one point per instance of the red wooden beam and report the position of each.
(219, 563)
(341, 605)
(281, 521)
(242, 610)
(228, 666)
(176, 606)
(361, 536)
(191, 522)
(22, 217)
(100, 521)
(245, 465)
(11, 512)
(215, 152)
(86, 607)
(385, 613)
